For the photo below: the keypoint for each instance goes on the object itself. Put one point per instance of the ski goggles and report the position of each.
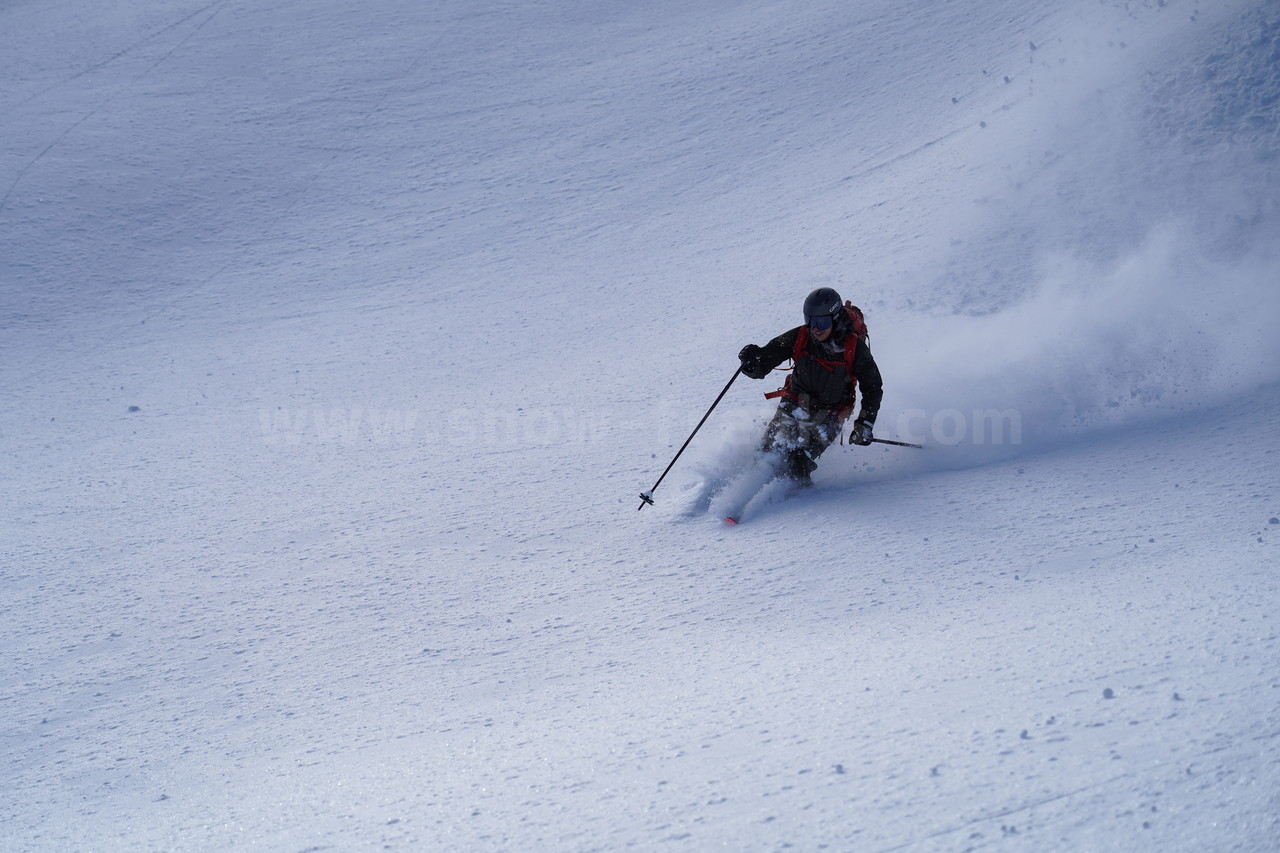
(821, 322)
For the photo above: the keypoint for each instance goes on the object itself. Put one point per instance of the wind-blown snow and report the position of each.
(340, 339)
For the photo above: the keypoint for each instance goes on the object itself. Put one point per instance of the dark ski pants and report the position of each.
(799, 436)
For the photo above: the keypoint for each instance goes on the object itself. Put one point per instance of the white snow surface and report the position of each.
(339, 340)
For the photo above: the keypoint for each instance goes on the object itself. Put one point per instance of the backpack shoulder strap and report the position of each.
(802, 341)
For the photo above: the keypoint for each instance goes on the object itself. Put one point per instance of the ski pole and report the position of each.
(898, 443)
(647, 497)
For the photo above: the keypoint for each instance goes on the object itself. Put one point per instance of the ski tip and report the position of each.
(729, 519)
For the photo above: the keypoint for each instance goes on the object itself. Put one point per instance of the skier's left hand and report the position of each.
(861, 434)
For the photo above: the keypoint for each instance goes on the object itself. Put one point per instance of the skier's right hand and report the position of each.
(750, 358)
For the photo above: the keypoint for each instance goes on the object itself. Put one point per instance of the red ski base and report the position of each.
(729, 519)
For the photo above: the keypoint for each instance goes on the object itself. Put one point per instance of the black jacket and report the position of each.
(820, 379)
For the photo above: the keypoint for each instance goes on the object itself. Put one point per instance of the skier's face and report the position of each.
(821, 325)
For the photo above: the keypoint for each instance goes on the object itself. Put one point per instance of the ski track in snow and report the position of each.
(339, 341)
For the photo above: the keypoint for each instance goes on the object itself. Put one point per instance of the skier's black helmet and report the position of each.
(821, 308)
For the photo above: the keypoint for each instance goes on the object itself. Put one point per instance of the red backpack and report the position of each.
(850, 352)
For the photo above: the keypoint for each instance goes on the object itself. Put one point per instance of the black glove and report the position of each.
(861, 434)
(751, 366)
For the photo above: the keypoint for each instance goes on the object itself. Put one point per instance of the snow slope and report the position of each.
(340, 338)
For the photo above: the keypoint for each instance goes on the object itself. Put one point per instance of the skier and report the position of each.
(832, 358)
